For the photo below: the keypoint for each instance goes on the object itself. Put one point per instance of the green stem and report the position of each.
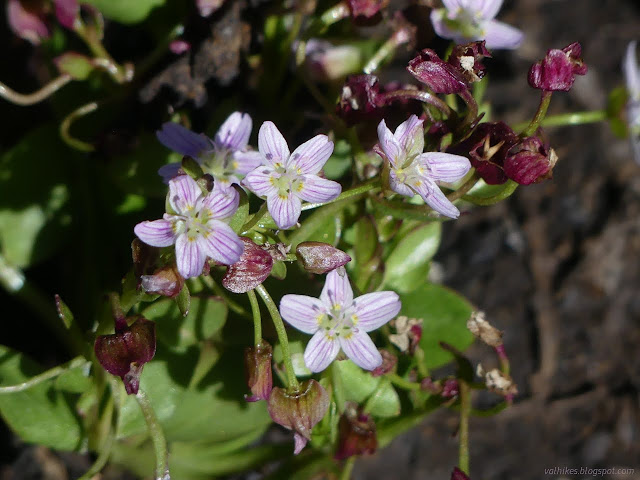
(65, 126)
(509, 187)
(545, 100)
(157, 436)
(400, 382)
(465, 410)
(348, 468)
(292, 381)
(386, 50)
(333, 15)
(352, 192)
(257, 320)
(575, 118)
(38, 96)
(254, 219)
(43, 377)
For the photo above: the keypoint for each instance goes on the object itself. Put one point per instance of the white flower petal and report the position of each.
(337, 290)
(221, 243)
(302, 312)
(285, 211)
(321, 351)
(311, 156)
(489, 8)
(500, 35)
(632, 71)
(272, 144)
(375, 309)
(441, 28)
(316, 189)
(244, 162)
(398, 186)
(222, 202)
(445, 167)
(189, 256)
(389, 144)
(410, 136)
(260, 181)
(183, 193)
(433, 196)
(234, 133)
(361, 350)
(158, 233)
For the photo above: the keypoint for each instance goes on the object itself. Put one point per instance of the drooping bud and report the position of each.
(66, 12)
(467, 59)
(356, 433)
(389, 361)
(250, 271)
(435, 73)
(165, 281)
(458, 474)
(257, 362)
(450, 388)
(530, 161)
(125, 352)
(360, 99)
(366, 12)
(299, 411)
(318, 257)
(557, 70)
(28, 21)
(478, 325)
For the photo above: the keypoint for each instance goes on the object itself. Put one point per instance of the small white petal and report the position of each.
(183, 193)
(445, 167)
(389, 144)
(285, 211)
(337, 290)
(311, 156)
(361, 350)
(189, 256)
(375, 309)
(260, 181)
(234, 132)
(244, 162)
(222, 202)
(317, 190)
(221, 243)
(158, 233)
(433, 196)
(410, 136)
(490, 8)
(272, 144)
(500, 35)
(302, 312)
(321, 351)
(398, 186)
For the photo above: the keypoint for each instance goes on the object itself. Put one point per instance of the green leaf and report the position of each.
(330, 231)
(279, 270)
(63, 312)
(444, 314)
(240, 217)
(41, 414)
(408, 264)
(74, 381)
(340, 162)
(206, 317)
(125, 11)
(34, 212)
(183, 300)
(359, 385)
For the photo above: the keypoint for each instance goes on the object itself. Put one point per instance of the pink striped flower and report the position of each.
(338, 321)
(196, 225)
(285, 179)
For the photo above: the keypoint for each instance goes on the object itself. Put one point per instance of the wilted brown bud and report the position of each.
(356, 433)
(250, 271)
(299, 411)
(164, 281)
(318, 257)
(530, 161)
(435, 73)
(389, 361)
(257, 362)
(468, 60)
(409, 332)
(125, 352)
(498, 382)
(484, 330)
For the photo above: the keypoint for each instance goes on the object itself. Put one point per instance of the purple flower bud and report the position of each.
(357, 433)
(178, 47)
(257, 362)
(125, 352)
(360, 99)
(165, 281)
(467, 59)
(66, 12)
(366, 12)
(389, 361)
(318, 257)
(487, 148)
(250, 271)
(458, 474)
(450, 388)
(557, 71)
(299, 411)
(438, 75)
(530, 161)
(28, 22)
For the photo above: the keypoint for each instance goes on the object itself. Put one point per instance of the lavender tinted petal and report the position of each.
(302, 312)
(183, 193)
(183, 140)
(234, 133)
(169, 171)
(321, 351)
(316, 189)
(189, 256)
(632, 71)
(157, 233)
(389, 144)
(500, 35)
(361, 350)
(244, 162)
(259, 181)
(490, 8)
(410, 135)
(311, 156)
(445, 167)
(285, 211)
(375, 309)
(437, 200)
(272, 144)
(337, 289)
(221, 202)
(220, 243)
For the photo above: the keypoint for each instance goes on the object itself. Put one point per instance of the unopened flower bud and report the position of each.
(318, 257)
(530, 161)
(389, 361)
(435, 73)
(257, 362)
(360, 99)
(356, 433)
(478, 325)
(250, 271)
(66, 12)
(299, 411)
(165, 281)
(366, 12)
(125, 352)
(450, 388)
(458, 474)
(467, 59)
(28, 21)
(557, 70)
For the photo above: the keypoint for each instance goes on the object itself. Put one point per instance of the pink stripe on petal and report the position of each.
(259, 181)
(388, 143)
(158, 233)
(272, 144)
(410, 136)
(399, 187)
(222, 202)
(361, 350)
(301, 312)
(284, 211)
(320, 351)
(222, 243)
(244, 162)
(445, 167)
(375, 309)
(316, 189)
(234, 133)
(337, 290)
(189, 257)
(311, 156)
(437, 200)
(183, 193)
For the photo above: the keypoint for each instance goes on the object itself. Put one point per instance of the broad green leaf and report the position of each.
(359, 385)
(408, 264)
(125, 11)
(206, 317)
(34, 207)
(444, 314)
(330, 231)
(279, 270)
(40, 414)
(74, 381)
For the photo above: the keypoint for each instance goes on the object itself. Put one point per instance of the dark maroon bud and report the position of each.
(318, 257)
(487, 148)
(366, 12)
(415, 334)
(356, 433)
(468, 60)
(438, 75)
(530, 161)
(28, 20)
(250, 271)
(66, 12)
(360, 99)
(458, 474)
(389, 361)
(450, 388)
(125, 352)
(299, 411)
(257, 362)
(557, 70)
(165, 281)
